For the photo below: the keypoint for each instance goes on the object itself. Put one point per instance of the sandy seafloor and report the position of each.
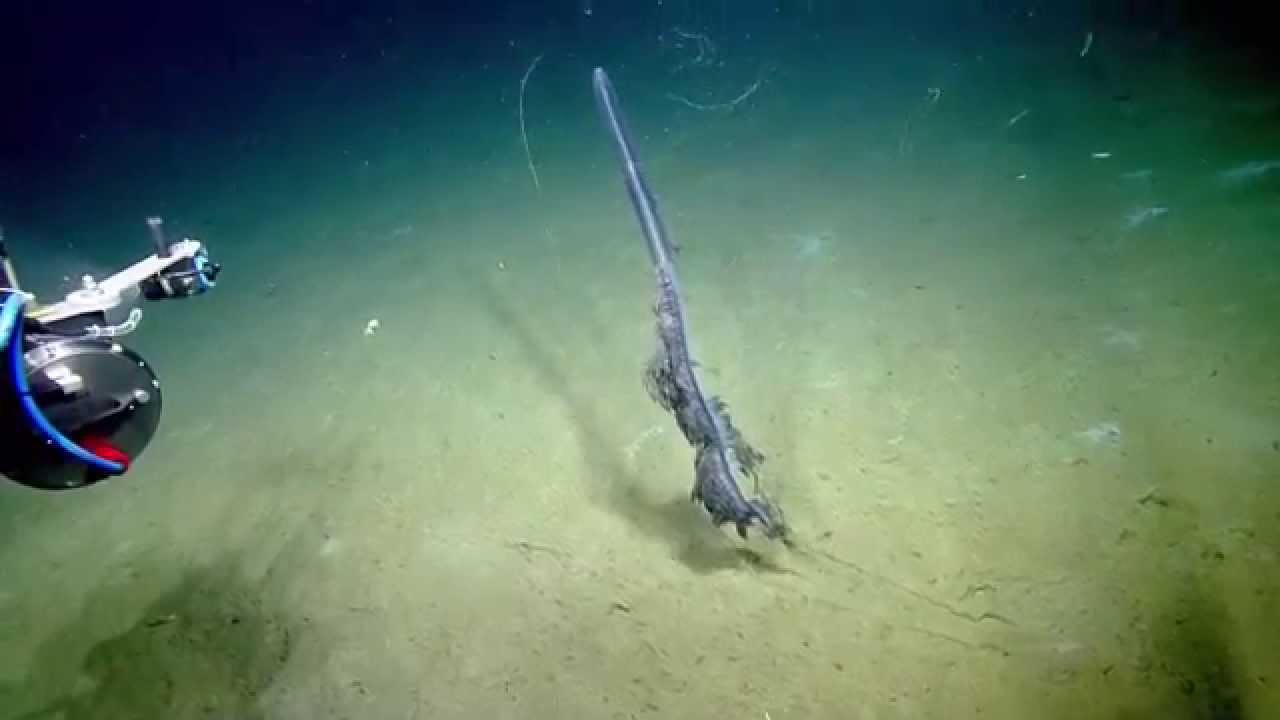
(1030, 453)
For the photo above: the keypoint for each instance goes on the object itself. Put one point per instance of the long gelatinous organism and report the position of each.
(705, 423)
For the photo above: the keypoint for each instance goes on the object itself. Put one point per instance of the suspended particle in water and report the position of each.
(588, 7)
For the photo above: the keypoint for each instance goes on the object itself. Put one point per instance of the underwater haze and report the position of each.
(992, 286)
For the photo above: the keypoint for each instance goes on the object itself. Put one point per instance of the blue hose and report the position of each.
(11, 339)
(9, 314)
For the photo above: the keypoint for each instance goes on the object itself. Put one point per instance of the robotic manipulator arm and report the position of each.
(77, 406)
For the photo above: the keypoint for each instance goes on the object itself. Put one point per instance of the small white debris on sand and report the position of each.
(1088, 44)
(1119, 338)
(1251, 171)
(1141, 216)
(633, 448)
(1103, 433)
